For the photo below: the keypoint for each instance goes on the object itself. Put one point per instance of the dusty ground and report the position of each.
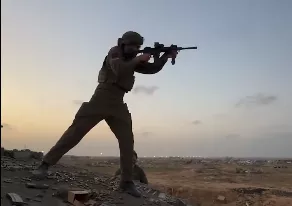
(199, 182)
(15, 174)
(202, 182)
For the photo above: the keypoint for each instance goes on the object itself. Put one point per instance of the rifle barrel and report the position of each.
(178, 48)
(184, 48)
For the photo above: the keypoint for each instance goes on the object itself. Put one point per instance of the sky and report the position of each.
(230, 97)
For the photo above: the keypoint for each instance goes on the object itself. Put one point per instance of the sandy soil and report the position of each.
(199, 183)
(259, 185)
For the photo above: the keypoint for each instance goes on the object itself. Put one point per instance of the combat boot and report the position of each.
(42, 171)
(130, 188)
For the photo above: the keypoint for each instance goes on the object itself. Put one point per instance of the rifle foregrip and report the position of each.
(173, 61)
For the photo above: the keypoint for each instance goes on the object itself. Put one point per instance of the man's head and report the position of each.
(135, 157)
(130, 43)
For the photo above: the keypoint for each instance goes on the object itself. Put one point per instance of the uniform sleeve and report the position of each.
(118, 172)
(143, 178)
(118, 65)
(151, 68)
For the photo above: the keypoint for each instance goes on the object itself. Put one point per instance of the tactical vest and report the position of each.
(106, 75)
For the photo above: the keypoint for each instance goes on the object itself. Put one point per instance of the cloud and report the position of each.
(77, 102)
(196, 122)
(145, 90)
(258, 99)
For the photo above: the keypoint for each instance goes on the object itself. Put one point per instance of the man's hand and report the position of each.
(143, 57)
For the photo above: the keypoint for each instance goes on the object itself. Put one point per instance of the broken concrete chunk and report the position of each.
(81, 195)
(15, 199)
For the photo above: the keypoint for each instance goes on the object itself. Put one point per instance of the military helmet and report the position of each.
(131, 37)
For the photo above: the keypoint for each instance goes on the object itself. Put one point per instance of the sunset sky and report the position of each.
(232, 96)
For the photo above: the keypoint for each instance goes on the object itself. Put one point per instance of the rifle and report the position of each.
(158, 48)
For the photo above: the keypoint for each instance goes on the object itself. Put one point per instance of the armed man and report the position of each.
(115, 78)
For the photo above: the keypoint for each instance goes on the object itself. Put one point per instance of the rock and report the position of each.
(7, 181)
(221, 199)
(162, 196)
(40, 195)
(26, 179)
(37, 186)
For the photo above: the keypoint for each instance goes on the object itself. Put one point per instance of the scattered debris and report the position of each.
(92, 189)
(250, 190)
(15, 199)
(7, 180)
(37, 186)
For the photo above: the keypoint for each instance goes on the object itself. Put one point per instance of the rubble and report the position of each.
(15, 199)
(21, 154)
(103, 190)
(83, 188)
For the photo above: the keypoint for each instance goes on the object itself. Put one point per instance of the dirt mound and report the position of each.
(102, 190)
